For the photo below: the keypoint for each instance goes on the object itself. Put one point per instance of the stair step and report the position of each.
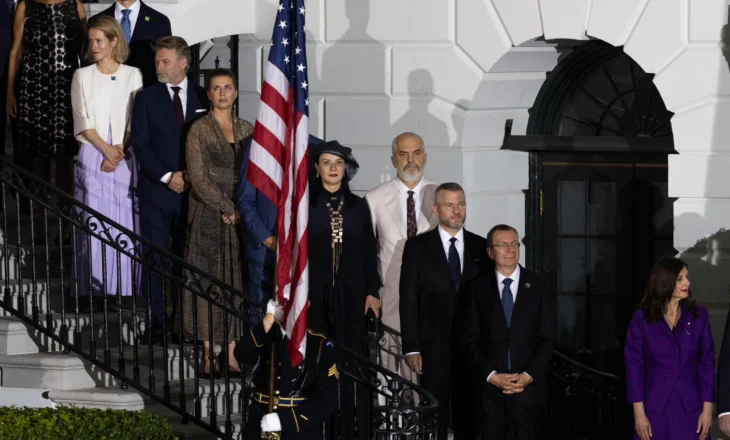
(25, 286)
(55, 254)
(10, 235)
(236, 421)
(14, 337)
(116, 398)
(127, 335)
(45, 370)
(99, 398)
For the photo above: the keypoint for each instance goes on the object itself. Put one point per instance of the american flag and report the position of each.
(279, 163)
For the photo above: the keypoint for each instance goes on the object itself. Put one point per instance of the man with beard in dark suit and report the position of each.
(507, 323)
(161, 116)
(142, 26)
(435, 266)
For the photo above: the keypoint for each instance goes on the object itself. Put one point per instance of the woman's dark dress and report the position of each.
(337, 307)
(51, 47)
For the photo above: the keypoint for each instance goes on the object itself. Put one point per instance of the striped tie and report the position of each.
(126, 25)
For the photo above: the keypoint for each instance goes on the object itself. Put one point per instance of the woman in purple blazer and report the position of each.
(670, 359)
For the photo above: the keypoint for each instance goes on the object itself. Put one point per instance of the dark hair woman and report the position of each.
(343, 275)
(670, 359)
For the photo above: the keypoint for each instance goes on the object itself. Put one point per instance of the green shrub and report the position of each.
(69, 423)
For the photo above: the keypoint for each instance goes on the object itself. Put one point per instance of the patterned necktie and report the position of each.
(454, 264)
(508, 304)
(177, 104)
(126, 25)
(11, 6)
(412, 227)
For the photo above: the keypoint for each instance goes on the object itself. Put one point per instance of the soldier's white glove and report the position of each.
(271, 423)
(275, 309)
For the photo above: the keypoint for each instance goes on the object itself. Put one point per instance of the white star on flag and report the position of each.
(286, 59)
(285, 42)
(300, 67)
(304, 85)
(282, 24)
(281, 7)
(301, 10)
(296, 51)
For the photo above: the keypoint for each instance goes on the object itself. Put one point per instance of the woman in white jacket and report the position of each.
(102, 95)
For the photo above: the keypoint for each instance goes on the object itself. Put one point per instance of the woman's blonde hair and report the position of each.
(111, 30)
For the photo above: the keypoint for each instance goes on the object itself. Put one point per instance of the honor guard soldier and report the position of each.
(304, 396)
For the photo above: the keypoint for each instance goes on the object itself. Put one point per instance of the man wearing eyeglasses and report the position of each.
(435, 266)
(506, 335)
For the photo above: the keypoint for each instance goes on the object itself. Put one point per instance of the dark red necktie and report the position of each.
(411, 216)
(177, 104)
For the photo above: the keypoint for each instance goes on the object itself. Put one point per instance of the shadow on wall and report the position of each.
(336, 83)
(418, 117)
(360, 111)
(709, 258)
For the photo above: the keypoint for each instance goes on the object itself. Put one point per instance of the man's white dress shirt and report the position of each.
(403, 199)
(183, 94)
(133, 16)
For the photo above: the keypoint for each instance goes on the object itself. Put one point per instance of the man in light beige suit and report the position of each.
(401, 209)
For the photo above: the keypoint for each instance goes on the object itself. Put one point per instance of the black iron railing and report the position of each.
(50, 245)
(583, 402)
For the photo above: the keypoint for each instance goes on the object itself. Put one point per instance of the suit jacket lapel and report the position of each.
(192, 104)
(426, 210)
(109, 11)
(392, 202)
(493, 291)
(140, 27)
(471, 261)
(441, 259)
(166, 102)
(523, 294)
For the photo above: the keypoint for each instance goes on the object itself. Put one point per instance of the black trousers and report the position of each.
(504, 417)
(453, 387)
(436, 379)
(165, 228)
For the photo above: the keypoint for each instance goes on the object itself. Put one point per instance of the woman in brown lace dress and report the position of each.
(214, 150)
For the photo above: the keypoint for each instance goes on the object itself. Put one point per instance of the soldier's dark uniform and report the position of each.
(305, 395)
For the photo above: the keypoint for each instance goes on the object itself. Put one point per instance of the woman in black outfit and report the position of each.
(344, 281)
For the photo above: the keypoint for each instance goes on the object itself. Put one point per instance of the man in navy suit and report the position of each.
(259, 216)
(161, 114)
(142, 26)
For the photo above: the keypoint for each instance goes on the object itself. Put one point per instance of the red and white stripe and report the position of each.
(278, 167)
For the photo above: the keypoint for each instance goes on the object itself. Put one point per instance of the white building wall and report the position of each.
(451, 71)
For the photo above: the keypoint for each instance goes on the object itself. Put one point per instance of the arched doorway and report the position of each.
(597, 212)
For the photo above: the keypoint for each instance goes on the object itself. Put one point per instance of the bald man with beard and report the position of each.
(401, 209)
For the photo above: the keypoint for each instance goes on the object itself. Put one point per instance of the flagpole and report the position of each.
(272, 358)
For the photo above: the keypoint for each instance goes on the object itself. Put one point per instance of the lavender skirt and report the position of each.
(106, 271)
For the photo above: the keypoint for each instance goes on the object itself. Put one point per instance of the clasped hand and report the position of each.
(510, 383)
(113, 156)
(230, 219)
